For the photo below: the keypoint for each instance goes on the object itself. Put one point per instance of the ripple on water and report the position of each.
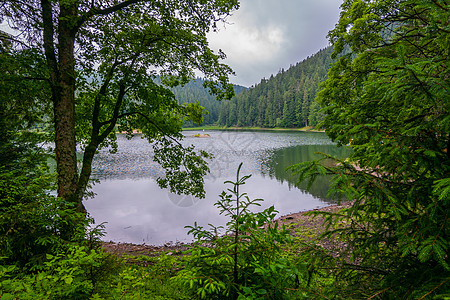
(133, 159)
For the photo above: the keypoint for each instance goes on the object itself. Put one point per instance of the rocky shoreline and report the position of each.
(300, 224)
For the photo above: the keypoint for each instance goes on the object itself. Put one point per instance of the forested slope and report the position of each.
(285, 100)
(193, 92)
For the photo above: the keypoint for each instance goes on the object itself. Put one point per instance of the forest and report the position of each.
(193, 92)
(286, 100)
(384, 91)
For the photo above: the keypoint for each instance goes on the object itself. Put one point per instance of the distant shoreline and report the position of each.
(303, 129)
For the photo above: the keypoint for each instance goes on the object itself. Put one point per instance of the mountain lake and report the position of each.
(135, 210)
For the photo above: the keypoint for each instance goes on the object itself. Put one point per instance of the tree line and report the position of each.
(284, 100)
(193, 92)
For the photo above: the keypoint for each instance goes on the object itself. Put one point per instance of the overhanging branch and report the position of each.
(96, 11)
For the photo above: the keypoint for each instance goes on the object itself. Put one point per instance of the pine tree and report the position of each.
(388, 96)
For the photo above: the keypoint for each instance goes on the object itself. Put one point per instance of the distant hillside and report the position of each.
(285, 100)
(193, 92)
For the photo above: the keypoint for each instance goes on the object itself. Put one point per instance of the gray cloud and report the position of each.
(266, 35)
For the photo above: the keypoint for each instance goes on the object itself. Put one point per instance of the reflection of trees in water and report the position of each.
(279, 160)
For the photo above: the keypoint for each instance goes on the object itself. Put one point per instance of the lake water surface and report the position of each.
(138, 211)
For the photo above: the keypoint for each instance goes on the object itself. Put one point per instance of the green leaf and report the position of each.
(261, 292)
(68, 279)
(8, 296)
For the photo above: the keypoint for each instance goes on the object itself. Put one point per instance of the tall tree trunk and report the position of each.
(64, 109)
(62, 74)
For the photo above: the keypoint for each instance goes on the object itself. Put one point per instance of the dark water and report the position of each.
(138, 211)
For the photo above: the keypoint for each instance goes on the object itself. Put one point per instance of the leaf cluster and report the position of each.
(185, 168)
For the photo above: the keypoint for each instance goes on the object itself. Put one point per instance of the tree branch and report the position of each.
(149, 121)
(96, 125)
(49, 48)
(5, 36)
(440, 6)
(96, 11)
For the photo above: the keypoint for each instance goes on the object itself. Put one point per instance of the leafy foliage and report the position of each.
(97, 61)
(29, 217)
(388, 98)
(184, 171)
(23, 109)
(30, 220)
(76, 273)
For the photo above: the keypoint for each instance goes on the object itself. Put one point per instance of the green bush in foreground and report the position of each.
(71, 275)
(249, 261)
(80, 273)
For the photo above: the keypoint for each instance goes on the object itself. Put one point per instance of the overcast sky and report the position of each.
(266, 35)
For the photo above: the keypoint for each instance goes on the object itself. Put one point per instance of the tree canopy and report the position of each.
(97, 61)
(388, 97)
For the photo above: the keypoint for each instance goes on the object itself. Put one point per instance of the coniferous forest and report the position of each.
(284, 100)
(193, 92)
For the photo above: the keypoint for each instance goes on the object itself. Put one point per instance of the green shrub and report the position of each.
(31, 220)
(249, 261)
(75, 274)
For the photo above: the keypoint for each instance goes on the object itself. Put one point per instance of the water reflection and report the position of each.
(138, 211)
(280, 159)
